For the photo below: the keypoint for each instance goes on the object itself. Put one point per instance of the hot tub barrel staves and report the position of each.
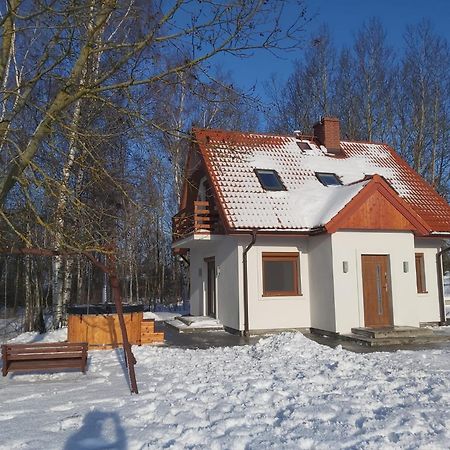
(98, 325)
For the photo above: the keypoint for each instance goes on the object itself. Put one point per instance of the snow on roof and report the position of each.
(232, 157)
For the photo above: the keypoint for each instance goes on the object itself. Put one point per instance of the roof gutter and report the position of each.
(317, 230)
(278, 231)
(443, 234)
(441, 284)
(244, 262)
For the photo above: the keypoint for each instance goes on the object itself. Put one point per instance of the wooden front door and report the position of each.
(211, 288)
(377, 291)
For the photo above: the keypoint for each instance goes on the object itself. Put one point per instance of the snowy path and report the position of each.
(286, 392)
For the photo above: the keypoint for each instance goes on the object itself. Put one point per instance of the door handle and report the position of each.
(379, 288)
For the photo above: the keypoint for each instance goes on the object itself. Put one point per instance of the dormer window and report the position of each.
(328, 179)
(270, 180)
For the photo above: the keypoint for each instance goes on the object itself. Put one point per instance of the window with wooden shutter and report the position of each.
(420, 274)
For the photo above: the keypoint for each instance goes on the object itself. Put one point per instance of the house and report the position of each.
(309, 232)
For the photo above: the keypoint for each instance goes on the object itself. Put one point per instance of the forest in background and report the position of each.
(97, 103)
(401, 97)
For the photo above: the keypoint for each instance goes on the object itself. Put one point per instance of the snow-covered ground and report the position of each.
(285, 392)
(194, 323)
(161, 315)
(10, 324)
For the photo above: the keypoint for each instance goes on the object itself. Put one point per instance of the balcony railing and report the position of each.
(204, 219)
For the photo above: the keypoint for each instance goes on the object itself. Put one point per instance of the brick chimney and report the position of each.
(327, 133)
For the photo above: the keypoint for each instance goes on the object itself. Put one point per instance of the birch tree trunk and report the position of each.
(16, 285)
(63, 268)
(29, 303)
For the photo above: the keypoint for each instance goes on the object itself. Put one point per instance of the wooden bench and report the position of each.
(53, 356)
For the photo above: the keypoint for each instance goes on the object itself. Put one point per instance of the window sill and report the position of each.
(281, 295)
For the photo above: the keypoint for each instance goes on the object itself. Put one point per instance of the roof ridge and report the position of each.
(309, 137)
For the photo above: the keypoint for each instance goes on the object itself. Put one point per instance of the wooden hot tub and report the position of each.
(98, 325)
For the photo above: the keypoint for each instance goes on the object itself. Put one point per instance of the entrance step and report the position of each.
(188, 324)
(392, 332)
(148, 333)
(375, 337)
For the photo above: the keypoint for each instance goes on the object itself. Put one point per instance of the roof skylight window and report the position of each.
(303, 145)
(270, 180)
(328, 179)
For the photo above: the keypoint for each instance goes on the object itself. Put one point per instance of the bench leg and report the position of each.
(4, 361)
(5, 369)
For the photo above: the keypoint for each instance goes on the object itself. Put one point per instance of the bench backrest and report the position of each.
(44, 351)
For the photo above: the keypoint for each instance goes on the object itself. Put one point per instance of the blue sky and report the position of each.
(344, 18)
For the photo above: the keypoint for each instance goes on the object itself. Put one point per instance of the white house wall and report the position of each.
(228, 285)
(196, 270)
(321, 283)
(427, 304)
(331, 299)
(225, 252)
(348, 287)
(276, 312)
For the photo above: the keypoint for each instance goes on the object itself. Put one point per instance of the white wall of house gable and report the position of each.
(227, 267)
(321, 283)
(196, 281)
(348, 287)
(225, 253)
(428, 303)
(276, 312)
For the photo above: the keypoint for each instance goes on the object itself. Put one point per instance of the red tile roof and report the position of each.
(231, 158)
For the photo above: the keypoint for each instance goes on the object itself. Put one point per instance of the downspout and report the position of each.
(441, 284)
(244, 261)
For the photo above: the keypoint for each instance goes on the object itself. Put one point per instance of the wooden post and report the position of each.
(129, 357)
(130, 360)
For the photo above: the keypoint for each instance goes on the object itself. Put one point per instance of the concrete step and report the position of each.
(392, 332)
(182, 327)
(396, 340)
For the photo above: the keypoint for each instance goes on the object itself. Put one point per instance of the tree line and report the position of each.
(400, 97)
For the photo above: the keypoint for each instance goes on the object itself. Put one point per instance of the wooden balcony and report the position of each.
(204, 220)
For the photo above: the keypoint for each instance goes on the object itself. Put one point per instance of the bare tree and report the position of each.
(424, 114)
(378, 96)
(309, 92)
(80, 88)
(373, 81)
(130, 37)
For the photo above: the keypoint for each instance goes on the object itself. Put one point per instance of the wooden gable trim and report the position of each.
(380, 185)
(183, 197)
(187, 177)
(200, 143)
